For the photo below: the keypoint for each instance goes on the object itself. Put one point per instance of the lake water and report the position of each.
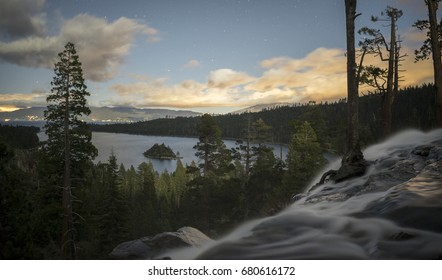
(129, 149)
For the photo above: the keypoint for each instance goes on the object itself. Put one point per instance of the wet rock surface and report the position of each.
(393, 211)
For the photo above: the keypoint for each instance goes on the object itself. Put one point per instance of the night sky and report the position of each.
(202, 55)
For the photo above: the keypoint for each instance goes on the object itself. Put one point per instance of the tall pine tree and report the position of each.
(304, 158)
(211, 150)
(69, 138)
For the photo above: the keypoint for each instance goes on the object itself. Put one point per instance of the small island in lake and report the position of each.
(160, 152)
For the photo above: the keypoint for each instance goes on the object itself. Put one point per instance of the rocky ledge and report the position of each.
(154, 247)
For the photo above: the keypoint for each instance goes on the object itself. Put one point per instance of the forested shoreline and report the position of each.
(413, 108)
(116, 203)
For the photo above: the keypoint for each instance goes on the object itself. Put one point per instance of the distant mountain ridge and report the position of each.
(260, 107)
(102, 114)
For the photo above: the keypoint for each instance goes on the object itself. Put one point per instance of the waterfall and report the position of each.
(392, 212)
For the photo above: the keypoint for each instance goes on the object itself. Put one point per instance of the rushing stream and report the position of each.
(394, 211)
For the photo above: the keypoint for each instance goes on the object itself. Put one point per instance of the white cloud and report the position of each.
(318, 76)
(101, 45)
(224, 78)
(321, 75)
(10, 101)
(193, 63)
(156, 93)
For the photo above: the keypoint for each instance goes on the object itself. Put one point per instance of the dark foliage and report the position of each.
(160, 152)
(413, 108)
(19, 137)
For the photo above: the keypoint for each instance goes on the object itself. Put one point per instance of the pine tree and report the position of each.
(304, 158)
(255, 137)
(112, 209)
(179, 181)
(143, 213)
(69, 138)
(211, 150)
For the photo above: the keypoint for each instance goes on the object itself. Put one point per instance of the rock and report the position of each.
(422, 150)
(132, 250)
(391, 211)
(410, 203)
(153, 247)
(402, 235)
(353, 165)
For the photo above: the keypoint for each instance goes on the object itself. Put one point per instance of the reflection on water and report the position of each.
(129, 149)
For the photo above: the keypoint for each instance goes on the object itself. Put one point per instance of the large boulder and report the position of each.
(153, 247)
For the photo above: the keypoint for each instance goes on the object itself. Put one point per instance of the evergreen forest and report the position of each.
(413, 108)
(56, 203)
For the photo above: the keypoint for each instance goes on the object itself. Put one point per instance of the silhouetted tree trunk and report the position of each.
(436, 52)
(247, 148)
(353, 163)
(68, 246)
(352, 86)
(388, 101)
(393, 14)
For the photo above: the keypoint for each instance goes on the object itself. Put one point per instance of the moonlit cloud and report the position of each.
(21, 18)
(414, 36)
(225, 78)
(156, 93)
(8, 108)
(187, 94)
(193, 63)
(320, 76)
(101, 45)
(412, 72)
(13, 101)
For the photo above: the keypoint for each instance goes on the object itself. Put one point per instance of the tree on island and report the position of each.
(160, 152)
(69, 138)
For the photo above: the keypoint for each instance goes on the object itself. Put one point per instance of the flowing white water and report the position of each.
(392, 212)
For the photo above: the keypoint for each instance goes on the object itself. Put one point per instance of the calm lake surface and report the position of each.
(129, 149)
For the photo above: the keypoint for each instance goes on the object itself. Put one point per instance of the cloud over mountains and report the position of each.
(320, 76)
(102, 45)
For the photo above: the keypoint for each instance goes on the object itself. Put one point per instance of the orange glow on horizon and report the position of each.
(10, 108)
